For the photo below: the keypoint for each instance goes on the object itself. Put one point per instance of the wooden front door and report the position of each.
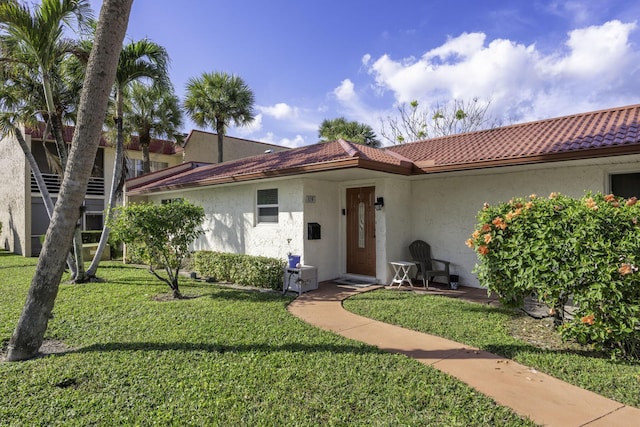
(361, 231)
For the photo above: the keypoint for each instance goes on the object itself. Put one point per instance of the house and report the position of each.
(22, 211)
(367, 205)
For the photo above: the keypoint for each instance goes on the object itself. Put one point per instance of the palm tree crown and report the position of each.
(152, 111)
(216, 100)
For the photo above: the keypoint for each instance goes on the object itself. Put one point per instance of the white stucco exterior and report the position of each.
(15, 200)
(438, 208)
(446, 205)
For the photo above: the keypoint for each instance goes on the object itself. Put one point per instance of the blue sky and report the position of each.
(307, 61)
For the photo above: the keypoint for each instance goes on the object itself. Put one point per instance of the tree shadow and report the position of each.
(226, 348)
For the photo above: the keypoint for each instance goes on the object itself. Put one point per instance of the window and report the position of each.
(176, 200)
(267, 205)
(93, 220)
(134, 167)
(626, 185)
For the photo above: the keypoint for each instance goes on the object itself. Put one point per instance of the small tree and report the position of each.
(414, 123)
(162, 234)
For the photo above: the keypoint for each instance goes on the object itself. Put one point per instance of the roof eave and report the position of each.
(350, 163)
(535, 159)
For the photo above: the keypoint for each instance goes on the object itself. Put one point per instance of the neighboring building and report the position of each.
(22, 211)
(201, 146)
(429, 190)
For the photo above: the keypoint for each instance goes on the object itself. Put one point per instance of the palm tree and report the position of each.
(216, 100)
(138, 60)
(340, 128)
(32, 325)
(38, 40)
(152, 111)
(35, 41)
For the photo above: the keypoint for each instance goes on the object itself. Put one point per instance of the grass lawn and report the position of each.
(505, 332)
(224, 357)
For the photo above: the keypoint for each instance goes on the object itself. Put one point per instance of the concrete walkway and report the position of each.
(544, 399)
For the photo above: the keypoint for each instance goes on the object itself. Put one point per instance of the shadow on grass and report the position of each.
(511, 351)
(222, 348)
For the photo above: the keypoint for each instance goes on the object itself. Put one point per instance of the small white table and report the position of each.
(300, 279)
(401, 270)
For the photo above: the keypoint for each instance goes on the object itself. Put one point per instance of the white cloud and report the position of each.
(243, 131)
(592, 70)
(594, 50)
(279, 111)
(270, 138)
(345, 92)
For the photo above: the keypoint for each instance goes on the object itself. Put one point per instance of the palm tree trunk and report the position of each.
(32, 325)
(56, 123)
(42, 187)
(113, 191)
(220, 132)
(145, 141)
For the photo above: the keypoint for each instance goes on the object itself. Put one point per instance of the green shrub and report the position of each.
(241, 269)
(162, 235)
(91, 236)
(561, 248)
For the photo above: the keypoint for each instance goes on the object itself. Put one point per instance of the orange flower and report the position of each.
(509, 216)
(528, 205)
(553, 195)
(588, 320)
(518, 205)
(499, 223)
(632, 201)
(626, 269)
(483, 250)
(533, 196)
(485, 228)
(591, 204)
(487, 238)
(469, 243)
(609, 198)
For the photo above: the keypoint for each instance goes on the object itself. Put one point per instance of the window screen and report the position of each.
(268, 205)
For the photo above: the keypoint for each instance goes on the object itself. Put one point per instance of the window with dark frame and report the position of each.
(625, 185)
(267, 206)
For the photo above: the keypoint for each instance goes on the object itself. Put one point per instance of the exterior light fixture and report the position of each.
(379, 204)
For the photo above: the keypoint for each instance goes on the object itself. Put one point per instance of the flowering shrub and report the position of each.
(559, 248)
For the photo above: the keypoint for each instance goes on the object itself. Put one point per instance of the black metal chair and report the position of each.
(421, 254)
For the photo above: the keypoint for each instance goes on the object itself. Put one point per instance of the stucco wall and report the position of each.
(445, 207)
(322, 205)
(230, 223)
(203, 147)
(14, 200)
(398, 214)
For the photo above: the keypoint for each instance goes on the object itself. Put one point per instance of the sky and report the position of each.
(307, 61)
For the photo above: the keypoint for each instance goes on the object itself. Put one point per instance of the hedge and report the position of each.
(249, 270)
(560, 248)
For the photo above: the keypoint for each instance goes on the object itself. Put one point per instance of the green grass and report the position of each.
(489, 328)
(224, 357)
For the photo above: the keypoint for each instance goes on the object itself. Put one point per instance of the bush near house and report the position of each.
(241, 269)
(561, 248)
(161, 234)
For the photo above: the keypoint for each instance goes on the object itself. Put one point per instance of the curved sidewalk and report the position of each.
(542, 398)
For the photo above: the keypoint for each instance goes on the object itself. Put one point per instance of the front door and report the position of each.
(361, 231)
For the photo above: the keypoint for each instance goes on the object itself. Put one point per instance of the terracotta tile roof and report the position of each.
(158, 146)
(594, 134)
(311, 158)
